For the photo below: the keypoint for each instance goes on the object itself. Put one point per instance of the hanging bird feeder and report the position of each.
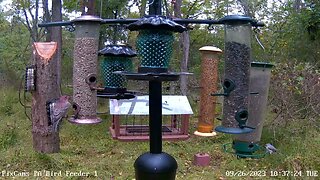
(245, 145)
(85, 70)
(116, 58)
(155, 42)
(238, 31)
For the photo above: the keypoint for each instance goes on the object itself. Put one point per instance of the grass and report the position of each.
(91, 149)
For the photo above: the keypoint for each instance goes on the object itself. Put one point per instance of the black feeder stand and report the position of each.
(154, 46)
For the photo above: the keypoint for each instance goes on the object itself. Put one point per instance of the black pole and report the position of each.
(155, 116)
(155, 7)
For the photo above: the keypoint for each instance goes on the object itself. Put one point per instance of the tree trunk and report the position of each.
(185, 45)
(44, 139)
(56, 36)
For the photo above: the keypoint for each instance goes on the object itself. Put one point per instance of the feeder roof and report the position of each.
(210, 48)
(237, 19)
(261, 64)
(156, 22)
(118, 50)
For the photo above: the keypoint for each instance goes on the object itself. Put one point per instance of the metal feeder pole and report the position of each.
(209, 78)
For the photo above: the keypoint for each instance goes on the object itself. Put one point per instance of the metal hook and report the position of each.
(150, 3)
(257, 39)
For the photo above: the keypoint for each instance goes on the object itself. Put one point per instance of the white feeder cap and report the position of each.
(210, 48)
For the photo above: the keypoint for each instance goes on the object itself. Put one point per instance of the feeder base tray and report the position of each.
(169, 76)
(197, 133)
(229, 130)
(85, 120)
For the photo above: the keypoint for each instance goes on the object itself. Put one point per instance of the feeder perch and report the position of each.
(85, 69)
(248, 144)
(238, 31)
(155, 42)
(208, 83)
(115, 58)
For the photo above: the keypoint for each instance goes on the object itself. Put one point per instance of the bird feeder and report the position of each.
(155, 42)
(85, 69)
(30, 78)
(238, 31)
(246, 144)
(116, 58)
(208, 83)
(154, 45)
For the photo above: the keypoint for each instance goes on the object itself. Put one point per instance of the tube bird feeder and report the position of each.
(115, 58)
(246, 144)
(85, 69)
(208, 83)
(238, 30)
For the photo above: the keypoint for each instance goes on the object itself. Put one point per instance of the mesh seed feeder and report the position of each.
(245, 145)
(115, 58)
(238, 31)
(155, 42)
(154, 46)
(85, 69)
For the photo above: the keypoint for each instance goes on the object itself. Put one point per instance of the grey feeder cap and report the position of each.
(86, 18)
(156, 22)
(117, 50)
(237, 19)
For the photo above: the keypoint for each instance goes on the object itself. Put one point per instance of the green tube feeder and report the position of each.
(238, 30)
(116, 58)
(155, 42)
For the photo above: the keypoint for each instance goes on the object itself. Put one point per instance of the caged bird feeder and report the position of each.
(155, 42)
(245, 145)
(85, 69)
(116, 58)
(238, 31)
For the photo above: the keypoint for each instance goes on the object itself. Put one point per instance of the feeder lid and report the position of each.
(210, 48)
(156, 22)
(117, 50)
(90, 18)
(237, 19)
(261, 64)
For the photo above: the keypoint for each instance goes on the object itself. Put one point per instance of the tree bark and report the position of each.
(44, 139)
(185, 45)
(56, 36)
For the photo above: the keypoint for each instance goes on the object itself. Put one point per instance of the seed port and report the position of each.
(92, 79)
(243, 115)
(251, 146)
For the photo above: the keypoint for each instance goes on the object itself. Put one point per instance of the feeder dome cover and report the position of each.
(156, 22)
(237, 19)
(118, 50)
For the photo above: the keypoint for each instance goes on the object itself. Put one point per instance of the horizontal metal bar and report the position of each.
(128, 21)
(58, 23)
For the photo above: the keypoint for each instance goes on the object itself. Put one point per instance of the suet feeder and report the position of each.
(208, 83)
(155, 42)
(116, 58)
(245, 145)
(85, 69)
(238, 31)
(30, 79)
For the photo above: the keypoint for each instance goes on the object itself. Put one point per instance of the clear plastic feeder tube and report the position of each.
(260, 74)
(85, 69)
(238, 31)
